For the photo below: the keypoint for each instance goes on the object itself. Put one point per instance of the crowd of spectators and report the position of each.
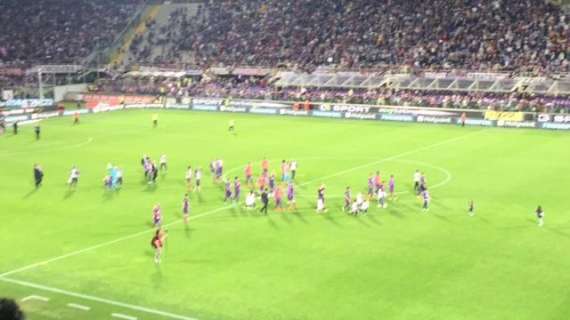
(514, 35)
(59, 31)
(253, 88)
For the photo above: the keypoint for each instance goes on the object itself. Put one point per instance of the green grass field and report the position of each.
(91, 246)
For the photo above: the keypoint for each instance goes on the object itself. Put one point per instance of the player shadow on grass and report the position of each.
(272, 223)
(299, 216)
(360, 218)
(373, 219)
(396, 213)
(108, 195)
(187, 231)
(68, 194)
(199, 195)
(30, 193)
(558, 232)
(330, 218)
(152, 187)
(156, 276)
(442, 218)
(284, 216)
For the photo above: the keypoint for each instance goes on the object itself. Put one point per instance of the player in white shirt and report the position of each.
(250, 201)
(365, 205)
(417, 178)
(163, 163)
(293, 169)
(189, 175)
(540, 216)
(354, 208)
(73, 177)
(382, 198)
(198, 177)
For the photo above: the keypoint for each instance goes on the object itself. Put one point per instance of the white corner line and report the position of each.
(123, 316)
(78, 306)
(97, 299)
(35, 297)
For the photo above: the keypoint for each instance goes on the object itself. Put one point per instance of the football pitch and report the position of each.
(86, 254)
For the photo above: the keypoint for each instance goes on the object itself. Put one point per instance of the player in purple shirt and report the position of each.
(219, 169)
(272, 182)
(392, 187)
(186, 208)
(291, 196)
(228, 190)
(426, 198)
(370, 186)
(156, 215)
(237, 189)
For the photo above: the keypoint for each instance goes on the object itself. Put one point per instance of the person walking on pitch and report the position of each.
(540, 216)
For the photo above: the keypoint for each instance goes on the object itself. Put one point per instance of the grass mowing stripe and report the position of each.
(97, 299)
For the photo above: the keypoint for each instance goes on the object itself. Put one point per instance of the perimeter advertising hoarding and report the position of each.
(504, 116)
(27, 103)
(556, 118)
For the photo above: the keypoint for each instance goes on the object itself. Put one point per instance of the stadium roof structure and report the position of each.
(356, 80)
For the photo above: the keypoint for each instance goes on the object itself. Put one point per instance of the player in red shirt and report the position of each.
(157, 243)
(265, 166)
(261, 182)
(249, 174)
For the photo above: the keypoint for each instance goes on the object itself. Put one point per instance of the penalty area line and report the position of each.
(97, 299)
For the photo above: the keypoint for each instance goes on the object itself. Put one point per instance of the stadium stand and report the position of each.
(59, 31)
(512, 35)
(398, 52)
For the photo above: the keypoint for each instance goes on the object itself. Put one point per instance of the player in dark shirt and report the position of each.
(264, 201)
(471, 208)
(15, 127)
(38, 175)
(540, 216)
(37, 131)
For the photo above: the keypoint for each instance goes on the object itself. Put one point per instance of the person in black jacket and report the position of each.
(38, 175)
(37, 131)
(264, 201)
(9, 310)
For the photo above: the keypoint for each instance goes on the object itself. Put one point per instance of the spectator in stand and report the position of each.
(254, 88)
(59, 31)
(523, 36)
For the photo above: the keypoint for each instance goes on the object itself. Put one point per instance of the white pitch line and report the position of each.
(73, 146)
(97, 299)
(78, 306)
(104, 244)
(123, 316)
(34, 297)
(167, 314)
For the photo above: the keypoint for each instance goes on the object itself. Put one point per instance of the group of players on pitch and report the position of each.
(267, 187)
